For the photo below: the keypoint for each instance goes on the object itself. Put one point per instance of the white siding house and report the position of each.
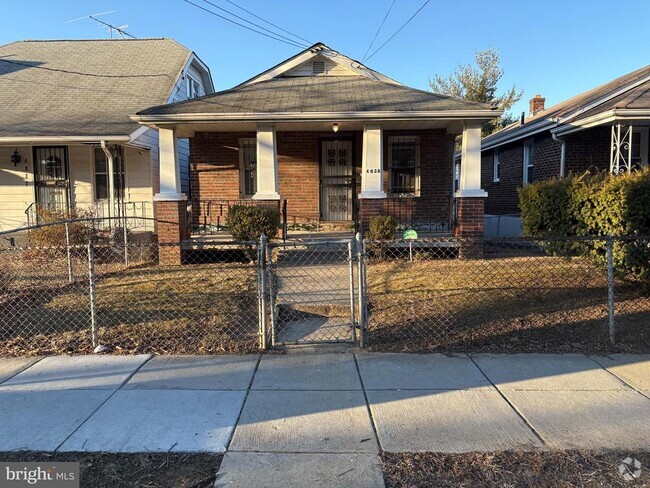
(64, 100)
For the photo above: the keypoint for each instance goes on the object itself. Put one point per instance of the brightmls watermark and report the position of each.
(39, 474)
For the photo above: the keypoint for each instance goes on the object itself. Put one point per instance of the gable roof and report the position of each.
(318, 49)
(276, 92)
(318, 94)
(628, 91)
(84, 88)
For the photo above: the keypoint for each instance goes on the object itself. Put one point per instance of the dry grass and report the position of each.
(191, 309)
(501, 304)
(539, 469)
(106, 470)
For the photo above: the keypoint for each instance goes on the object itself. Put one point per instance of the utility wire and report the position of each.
(377, 33)
(81, 73)
(398, 30)
(270, 23)
(290, 42)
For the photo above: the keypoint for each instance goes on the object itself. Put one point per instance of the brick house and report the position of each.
(336, 140)
(603, 129)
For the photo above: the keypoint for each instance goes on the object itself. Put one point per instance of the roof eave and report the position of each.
(63, 139)
(170, 119)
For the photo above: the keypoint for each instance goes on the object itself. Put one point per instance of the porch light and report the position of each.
(15, 157)
(335, 127)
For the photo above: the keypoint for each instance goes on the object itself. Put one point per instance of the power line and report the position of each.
(398, 30)
(290, 42)
(252, 23)
(81, 73)
(270, 23)
(377, 33)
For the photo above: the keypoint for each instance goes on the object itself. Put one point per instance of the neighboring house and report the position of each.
(602, 129)
(66, 139)
(337, 140)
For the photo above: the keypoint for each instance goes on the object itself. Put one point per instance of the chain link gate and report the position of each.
(312, 289)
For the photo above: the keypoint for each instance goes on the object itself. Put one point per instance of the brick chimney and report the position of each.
(536, 104)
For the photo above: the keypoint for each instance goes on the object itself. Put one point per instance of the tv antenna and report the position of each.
(111, 28)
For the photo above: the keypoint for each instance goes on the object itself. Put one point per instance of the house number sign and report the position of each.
(373, 170)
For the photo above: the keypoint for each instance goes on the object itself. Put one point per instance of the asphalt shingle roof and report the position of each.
(638, 97)
(316, 94)
(42, 92)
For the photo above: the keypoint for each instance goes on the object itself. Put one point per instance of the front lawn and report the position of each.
(501, 303)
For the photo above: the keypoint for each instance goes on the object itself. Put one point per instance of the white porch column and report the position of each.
(110, 169)
(170, 171)
(267, 164)
(470, 165)
(372, 163)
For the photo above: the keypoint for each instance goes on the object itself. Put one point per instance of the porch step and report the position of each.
(334, 226)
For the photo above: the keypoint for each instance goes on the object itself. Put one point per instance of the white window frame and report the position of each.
(93, 172)
(193, 87)
(416, 140)
(529, 159)
(496, 167)
(245, 142)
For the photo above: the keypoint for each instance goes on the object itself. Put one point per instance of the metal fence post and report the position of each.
(67, 247)
(268, 256)
(351, 265)
(126, 240)
(262, 270)
(91, 291)
(362, 288)
(610, 290)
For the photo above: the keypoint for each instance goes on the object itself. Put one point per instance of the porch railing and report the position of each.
(206, 217)
(411, 213)
(139, 214)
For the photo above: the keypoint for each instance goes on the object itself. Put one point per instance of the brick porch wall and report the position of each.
(171, 227)
(214, 170)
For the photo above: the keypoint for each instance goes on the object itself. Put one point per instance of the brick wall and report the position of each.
(214, 169)
(470, 217)
(171, 227)
(588, 149)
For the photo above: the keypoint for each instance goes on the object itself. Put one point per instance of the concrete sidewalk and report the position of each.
(322, 419)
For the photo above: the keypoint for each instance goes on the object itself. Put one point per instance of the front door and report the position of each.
(51, 178)
(336, 179)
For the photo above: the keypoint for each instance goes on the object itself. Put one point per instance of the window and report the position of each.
(528, 162)
(101, 173)
(457, 175)
(193, 87)
(496, 166)
(248, 167)
(639, 147)
(404, 166)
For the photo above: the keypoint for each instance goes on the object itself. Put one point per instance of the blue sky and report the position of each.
(554, 47)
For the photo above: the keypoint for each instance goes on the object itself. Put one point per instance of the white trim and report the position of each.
(23, 141)
(603, 118)
(471, 193)
(479, 115)
(528, 159)
(533, 128)
(169, 197)
(496, 166)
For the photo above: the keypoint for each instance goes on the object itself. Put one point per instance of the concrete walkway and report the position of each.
(321, 419)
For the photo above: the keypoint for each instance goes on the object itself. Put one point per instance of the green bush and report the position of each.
(382, 228)
(248, 223)
(592, 205)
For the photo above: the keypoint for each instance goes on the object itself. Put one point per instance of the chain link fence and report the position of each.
(438, 294)
(508, 295)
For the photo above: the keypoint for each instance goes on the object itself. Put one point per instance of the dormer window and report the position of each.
(193, 87)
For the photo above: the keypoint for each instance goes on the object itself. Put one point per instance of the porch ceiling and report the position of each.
(189, 129)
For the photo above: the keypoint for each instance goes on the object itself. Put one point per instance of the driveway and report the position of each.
(322, 419)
